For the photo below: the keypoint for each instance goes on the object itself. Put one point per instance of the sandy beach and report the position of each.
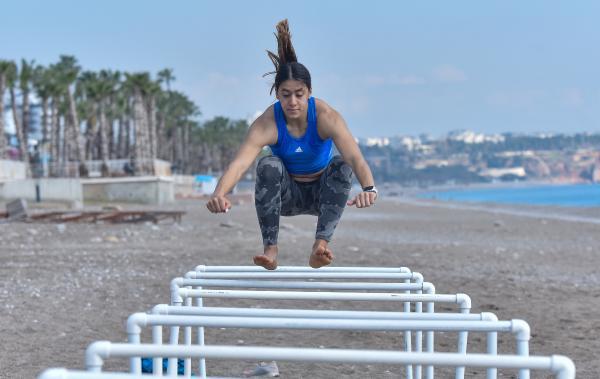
(65, 286)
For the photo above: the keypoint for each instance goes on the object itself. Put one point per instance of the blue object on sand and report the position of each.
(147, 366)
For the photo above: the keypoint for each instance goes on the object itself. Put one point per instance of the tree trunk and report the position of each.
(43, 147)
(25, 116)
(91, 134)
(127, 141)
(186, 147)
(121, 137)
(110, 132)
(140, 127)
(206, 157)
(45, 119)
(77, 142)
(110, 129)
(103, 139)
(152, 135)
(22, 143)
(160, 137)
(55, 139)
(177, 154)
(2, 134)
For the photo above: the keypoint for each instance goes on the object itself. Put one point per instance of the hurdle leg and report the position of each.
(429, 343)
(408, 336)
(157, 366)
(492, 349)
(523, 350)
(462, 347)
(418, 338)
(187, 340)
(202, 361)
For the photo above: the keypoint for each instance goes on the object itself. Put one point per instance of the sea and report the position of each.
(565, 195)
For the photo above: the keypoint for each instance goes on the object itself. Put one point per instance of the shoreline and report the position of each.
(439, 194)
(561, 213)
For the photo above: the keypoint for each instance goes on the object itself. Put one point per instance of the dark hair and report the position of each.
(285, 61)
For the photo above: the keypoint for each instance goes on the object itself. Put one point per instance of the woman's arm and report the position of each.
(332, 125)
(261, 133)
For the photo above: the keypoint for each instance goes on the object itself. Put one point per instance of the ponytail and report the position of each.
(285, 61)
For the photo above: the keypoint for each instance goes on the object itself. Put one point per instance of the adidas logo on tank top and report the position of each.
(299, 150)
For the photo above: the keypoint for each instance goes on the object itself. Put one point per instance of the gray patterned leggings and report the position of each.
(276, 193)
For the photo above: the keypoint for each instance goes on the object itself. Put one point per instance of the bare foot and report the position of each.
(321, 255)
(269, 258)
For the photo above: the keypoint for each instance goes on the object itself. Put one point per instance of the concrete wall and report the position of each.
(162, 168)
(189, 185)
(184, 185)
(143, 189)
(12, 169)
(51, 189)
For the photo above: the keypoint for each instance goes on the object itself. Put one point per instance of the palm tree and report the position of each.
(113, 79)
(166, 76)
(57, 108)
(5, 68)
(176, 110)
(68, 71)
(107, 82)
(12, 74)
(42, 84)
(121, 109)
(25, 79)
(137, 85)
(152, 92)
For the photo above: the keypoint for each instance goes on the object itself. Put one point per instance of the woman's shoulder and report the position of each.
(266, 125)
(266, 119)
(325, 112)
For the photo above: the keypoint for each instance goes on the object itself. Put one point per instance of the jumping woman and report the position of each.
(302, 176)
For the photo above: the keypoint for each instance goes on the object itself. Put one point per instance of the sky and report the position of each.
(389, 67)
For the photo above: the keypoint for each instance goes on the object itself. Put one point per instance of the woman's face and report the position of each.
(293, 95)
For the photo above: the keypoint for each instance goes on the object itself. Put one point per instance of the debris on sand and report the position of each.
(269, 369)
(17, 211)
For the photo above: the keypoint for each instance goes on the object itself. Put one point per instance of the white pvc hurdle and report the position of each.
(137, 321)
(418, 287)
(340, 269)
(298, 272)
(252, 268)
(561, 366)
(462, 300)
(492, 337)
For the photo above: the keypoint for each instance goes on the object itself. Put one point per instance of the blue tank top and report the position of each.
(304, 155)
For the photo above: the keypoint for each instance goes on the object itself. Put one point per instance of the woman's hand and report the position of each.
(363, 200)
(218, 204)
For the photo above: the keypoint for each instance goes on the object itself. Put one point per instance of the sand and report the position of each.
(65, 286)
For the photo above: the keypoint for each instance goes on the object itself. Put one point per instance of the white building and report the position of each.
(468, 136)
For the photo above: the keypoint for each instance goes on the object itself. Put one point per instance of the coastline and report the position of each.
(490, 185)
(572, 214)
(531, 196)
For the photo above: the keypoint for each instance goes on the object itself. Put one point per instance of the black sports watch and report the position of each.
(370, 189)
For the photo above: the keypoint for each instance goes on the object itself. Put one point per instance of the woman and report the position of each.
(302, 176)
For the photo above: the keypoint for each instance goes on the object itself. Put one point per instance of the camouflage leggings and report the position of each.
(276, 193)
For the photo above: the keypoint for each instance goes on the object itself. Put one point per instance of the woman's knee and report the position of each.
(269, 168)
(339, 169)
